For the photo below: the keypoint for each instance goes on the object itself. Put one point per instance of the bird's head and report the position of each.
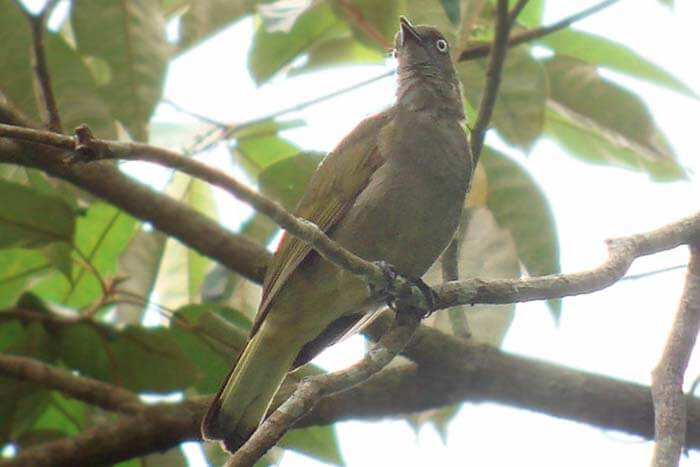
(424, 64)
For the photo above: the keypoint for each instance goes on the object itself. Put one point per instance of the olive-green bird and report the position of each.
(392, 190)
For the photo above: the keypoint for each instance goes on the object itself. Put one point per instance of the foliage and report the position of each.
(64, 253)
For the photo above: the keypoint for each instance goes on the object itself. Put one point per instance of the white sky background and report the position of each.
(618, 332)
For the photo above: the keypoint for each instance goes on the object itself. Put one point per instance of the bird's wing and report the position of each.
(339, 179)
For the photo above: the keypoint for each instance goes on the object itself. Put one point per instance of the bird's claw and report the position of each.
(429, 295)
(391, 295)
(386, 290)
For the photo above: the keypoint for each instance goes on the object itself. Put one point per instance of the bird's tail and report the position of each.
(244, 398)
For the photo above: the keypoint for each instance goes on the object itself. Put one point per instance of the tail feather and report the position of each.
(242, 402)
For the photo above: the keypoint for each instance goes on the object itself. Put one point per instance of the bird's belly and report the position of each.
(403, 217)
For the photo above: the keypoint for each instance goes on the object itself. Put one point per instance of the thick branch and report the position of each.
(483, 50)
(667, 378)
(449, 371)
(172, 217)
(155, 429)
(106, 396)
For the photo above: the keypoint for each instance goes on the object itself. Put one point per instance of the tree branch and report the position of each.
(493, 80)
(37, 24)
(621, 251)
(449, 371)
(483, 50)
(104, 180)
(667, 378)
(92, 391)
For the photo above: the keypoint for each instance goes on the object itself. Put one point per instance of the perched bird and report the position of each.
(391, 191)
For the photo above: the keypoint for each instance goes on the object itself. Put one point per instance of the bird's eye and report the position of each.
(441, 45)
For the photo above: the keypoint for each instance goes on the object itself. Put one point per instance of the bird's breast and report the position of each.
(410, 209)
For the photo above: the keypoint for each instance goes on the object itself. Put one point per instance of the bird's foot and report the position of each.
(429, 295)
(386, 291)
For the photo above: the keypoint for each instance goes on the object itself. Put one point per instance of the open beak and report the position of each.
(407, 30)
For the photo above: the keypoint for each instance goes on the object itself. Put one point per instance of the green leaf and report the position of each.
(139, 359)
(603, 52)
(374, 23)
(16, 40)
(19, 269)
(76, 91)
(488, 251)
(260, 145)
(138, 265)
(531, 15)
(520, 107)
(210, 341)
(451, 10)
(21, 404)
(30, 219)
(433, 13)
(183, 270)
(668, 3)
(271, 51)
(82, 348)
(68, 416)
(101, 235)
(319, 442)
(339, 51)
(150, 360)
(576, 94)
(519, 205)
(130, 37)
(204, 18)
(286, 181)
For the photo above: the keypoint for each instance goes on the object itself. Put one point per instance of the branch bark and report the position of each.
(667, 379)
(449, 370)
(92, 391)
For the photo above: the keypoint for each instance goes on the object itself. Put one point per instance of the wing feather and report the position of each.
(339, 179)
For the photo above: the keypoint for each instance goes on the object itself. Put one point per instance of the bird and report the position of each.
(391, 191)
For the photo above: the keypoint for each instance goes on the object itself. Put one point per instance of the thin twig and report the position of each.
(667, 378)
(483, 50)
(493, 80)
(92, 391)
(516, 10)
(232, 129)
(621, 253)
(37, 24)
(449, 262)
(643, 275)
(311, 390)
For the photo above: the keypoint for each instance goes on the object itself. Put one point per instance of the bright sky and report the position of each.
(618, 332)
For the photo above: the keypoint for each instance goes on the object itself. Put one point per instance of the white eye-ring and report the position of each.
(441, 45)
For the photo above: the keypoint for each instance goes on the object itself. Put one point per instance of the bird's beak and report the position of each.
(407, 30)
